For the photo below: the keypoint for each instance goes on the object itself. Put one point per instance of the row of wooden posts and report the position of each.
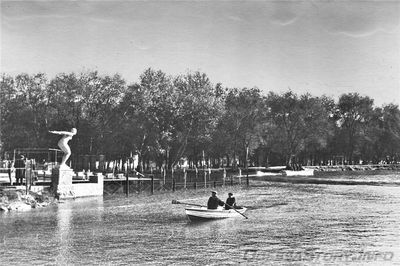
(195, 184)
(174, 185)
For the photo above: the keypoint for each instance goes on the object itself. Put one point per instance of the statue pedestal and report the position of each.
(61, 182)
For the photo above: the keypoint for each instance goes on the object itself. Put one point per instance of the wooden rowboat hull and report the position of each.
(202, 213)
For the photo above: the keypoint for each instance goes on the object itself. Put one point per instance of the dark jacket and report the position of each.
(231, 202)
(213, 203)
(20, 169)
(19, 163)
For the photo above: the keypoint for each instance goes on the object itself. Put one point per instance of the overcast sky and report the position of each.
(320, 47)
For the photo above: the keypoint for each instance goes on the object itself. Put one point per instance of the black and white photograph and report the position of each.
(190, 132)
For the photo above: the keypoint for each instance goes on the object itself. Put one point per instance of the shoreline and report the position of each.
(12, 199)
(324, 181)
(355, 167)
(361, 176)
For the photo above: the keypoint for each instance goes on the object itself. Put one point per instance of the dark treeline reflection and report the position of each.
(164, 118)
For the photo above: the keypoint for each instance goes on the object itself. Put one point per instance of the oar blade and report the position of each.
(232, 207)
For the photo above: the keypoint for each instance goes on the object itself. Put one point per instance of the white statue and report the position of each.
(63, 143)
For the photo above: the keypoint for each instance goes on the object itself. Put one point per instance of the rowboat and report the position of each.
(198, 213)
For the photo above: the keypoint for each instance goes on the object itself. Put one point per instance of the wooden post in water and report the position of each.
(247, 166)
(223, 177)
(195, 185)
(127, 185)
(125, 170)
(164, 174)
(27, 176)
(205, 178)
(152, 184)
(204, 170)
(173, 178)
(184, 177)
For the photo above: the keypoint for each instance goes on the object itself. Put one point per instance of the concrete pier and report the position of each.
(63, 187)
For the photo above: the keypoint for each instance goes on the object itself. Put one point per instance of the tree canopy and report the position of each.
(165, 119)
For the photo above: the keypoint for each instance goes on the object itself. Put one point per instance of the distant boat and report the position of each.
(282, 171)
(271, 171)
(303, 172)
(197, 213)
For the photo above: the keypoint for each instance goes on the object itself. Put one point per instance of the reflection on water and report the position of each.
(288, 223)
(63, 234)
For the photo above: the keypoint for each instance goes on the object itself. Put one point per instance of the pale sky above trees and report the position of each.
(321, 47)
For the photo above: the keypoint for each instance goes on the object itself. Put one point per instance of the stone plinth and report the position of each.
(61, 182)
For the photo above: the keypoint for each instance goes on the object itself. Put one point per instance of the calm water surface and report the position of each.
(289, 224)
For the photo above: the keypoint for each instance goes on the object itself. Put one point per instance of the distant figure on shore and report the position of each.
(63, 143)
(19, 170)
(45, 165)
(214, 201)
(10, 166)
(230, 202)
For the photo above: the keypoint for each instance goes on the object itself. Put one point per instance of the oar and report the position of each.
(237, 211)
(178, 202)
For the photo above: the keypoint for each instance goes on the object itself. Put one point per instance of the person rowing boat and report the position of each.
(214, 201)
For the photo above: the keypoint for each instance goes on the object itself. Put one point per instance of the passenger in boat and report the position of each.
(214, 201)
(230, 202)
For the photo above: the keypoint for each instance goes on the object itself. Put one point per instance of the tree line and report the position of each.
(165, 118)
